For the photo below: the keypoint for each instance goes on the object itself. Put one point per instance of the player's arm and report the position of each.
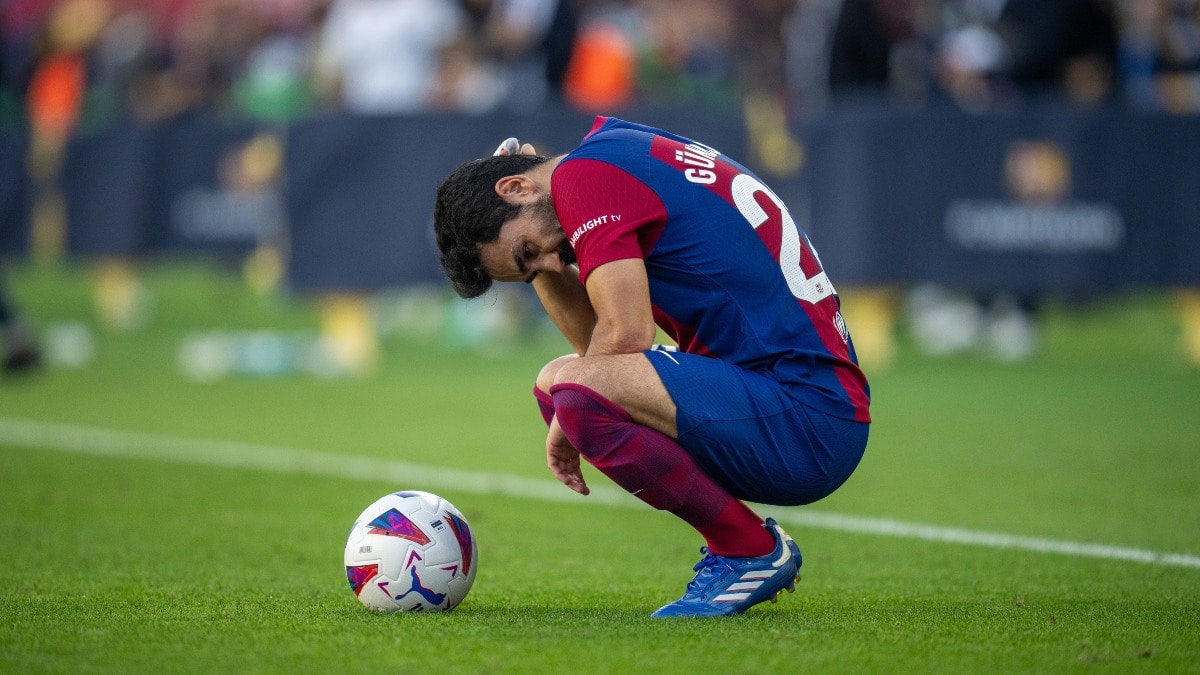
(566, 302)
(622, 324)
(620, 293)
(562, 295)
(624, 211)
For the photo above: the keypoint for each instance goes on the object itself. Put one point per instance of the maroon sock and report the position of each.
(652, 466)
(545, 405)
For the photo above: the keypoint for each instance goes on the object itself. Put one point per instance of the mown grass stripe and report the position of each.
(134, 445)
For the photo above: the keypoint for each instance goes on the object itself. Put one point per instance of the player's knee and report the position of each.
(548, 376)
(574, 371)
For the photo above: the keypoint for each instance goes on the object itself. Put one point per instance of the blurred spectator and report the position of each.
(274, 59)
(383, 56)
(61, 44)
(1160, 54)
(687, 54)
(602, 75)
(275, 82)
(21, 23)
(209, 44)
(13, 55)
(58, 84)
(524, 46)
(759, 66)
(758, 43)
(125, 54)
(983, 54)
(659, 53)
(991, 51)
(1069, 46)
(880, 44)
(20, 351)
(808, 49)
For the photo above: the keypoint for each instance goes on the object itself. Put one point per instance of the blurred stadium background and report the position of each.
(958, 163)
(215, 240)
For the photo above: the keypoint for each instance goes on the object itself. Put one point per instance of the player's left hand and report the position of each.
(563, 459)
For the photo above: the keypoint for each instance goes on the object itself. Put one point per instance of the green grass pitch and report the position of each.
(123, 564)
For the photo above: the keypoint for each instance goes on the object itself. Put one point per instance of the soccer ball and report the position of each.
(411, 552)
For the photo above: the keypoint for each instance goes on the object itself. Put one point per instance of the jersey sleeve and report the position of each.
(606, 213)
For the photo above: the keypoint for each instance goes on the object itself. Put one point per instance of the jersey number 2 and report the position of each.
(791, 243)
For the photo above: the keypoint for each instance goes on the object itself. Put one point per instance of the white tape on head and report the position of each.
(510, 146)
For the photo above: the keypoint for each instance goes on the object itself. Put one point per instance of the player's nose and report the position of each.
(552, 262)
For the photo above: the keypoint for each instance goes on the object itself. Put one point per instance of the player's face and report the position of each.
(532, 242)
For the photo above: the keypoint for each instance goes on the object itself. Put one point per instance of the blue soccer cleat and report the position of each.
(726, 586)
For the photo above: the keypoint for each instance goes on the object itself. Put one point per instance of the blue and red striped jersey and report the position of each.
(731, 275)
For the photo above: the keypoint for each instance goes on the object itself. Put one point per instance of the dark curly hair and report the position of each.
(468, 212)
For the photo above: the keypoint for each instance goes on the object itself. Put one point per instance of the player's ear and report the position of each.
(513, 188)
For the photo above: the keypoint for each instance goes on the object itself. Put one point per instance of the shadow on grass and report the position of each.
(535, 618)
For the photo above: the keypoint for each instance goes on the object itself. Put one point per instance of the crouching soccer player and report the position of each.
(762, 400)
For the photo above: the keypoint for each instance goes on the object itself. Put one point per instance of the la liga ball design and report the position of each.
(411, 551)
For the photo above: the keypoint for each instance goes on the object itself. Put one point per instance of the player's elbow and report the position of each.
(632, 345)
(614, 339)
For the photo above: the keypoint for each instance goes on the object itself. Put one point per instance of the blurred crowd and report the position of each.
(78, 62)
(71, 66)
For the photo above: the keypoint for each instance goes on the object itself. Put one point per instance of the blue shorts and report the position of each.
(757, 439)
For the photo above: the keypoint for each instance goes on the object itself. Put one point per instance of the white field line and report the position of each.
(123, 444)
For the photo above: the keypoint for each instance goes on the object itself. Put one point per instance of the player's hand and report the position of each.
(512, 146)
(563, 459)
